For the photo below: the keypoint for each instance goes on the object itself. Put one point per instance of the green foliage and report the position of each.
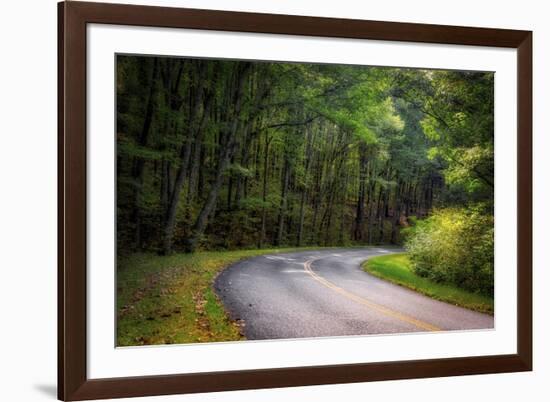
(472, 160)
(455, 246)
(317, 154)
(397, 268)
(458, 120)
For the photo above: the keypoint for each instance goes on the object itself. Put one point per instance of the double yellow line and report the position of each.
(381, 309)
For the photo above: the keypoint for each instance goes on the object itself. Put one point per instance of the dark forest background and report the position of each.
(234, 154)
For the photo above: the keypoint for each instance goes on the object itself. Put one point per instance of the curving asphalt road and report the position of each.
(326, 293)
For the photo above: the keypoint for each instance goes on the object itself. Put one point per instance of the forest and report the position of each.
(222, 155)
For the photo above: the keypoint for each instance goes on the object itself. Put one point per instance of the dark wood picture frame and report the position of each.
(73, 383)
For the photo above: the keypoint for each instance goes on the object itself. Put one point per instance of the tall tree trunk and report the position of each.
(139, 163)
(165, 184)
(251, 132)
(317, 192)
(397, 212)
(327, 217)
(360, 214)
(194, 171)
(264, 189)
(230, 187)
(225, 156)
(343, 210)
(282, 206)
(301, 219)
(196, 125)
(240, 182)
(376, 214)
(200, 182)
(316, 202)
(303, 197)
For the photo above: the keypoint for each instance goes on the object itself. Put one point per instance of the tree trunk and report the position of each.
(264, 189)
(165, 184)
(397, 212)
(195, 127)
(343, 210)
(139, 163)
(240, 182)
(360, 214)
(230, 187)
(194, 171)
(308, 147)
(225, 156)
(301, 219)
(282, 207)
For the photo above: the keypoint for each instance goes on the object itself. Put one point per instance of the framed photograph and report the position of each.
(253, 200)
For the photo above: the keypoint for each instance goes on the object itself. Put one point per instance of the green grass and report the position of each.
(165, 300)
(397, 268)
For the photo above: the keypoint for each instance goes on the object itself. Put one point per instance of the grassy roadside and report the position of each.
(397, 268)
(165, 300)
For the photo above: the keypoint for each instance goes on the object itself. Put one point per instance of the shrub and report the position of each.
(455, 246)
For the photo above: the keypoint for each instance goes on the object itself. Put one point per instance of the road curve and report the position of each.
(326, 293)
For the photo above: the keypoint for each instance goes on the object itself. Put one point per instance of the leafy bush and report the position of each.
(455, 246)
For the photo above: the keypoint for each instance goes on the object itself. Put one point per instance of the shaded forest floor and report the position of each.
(169, 300)
(397, 268)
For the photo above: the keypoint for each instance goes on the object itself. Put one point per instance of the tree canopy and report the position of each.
(221, 154)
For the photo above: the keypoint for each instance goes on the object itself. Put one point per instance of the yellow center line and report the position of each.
(368, 303)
